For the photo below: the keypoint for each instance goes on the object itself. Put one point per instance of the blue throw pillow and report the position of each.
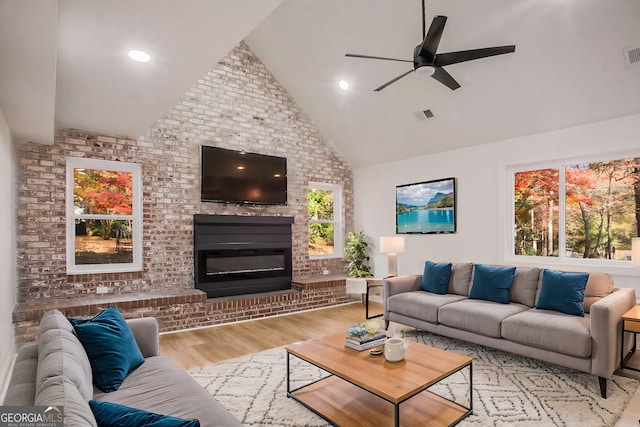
(435, 278)
(492, 283)
(109, 414)
(110, 346)
(563, 292)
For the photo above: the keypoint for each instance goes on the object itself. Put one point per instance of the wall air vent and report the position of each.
(424, 114)
(632, 55)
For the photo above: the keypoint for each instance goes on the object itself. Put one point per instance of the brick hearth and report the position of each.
(190, 308)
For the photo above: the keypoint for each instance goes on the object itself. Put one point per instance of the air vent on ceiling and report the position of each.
(424, 114)
(632, 55)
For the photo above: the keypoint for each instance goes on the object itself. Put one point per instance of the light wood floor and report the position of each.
(202, 347)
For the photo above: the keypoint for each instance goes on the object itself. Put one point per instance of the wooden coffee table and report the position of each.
(367, 390)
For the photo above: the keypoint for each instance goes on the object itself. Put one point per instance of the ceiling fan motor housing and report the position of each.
(421, 61)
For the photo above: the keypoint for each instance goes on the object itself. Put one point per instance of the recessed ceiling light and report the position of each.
(343, 84)
(139, 55)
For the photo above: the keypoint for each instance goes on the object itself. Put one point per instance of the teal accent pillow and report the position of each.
(110, 346)
(492, 283)
(563, 292)
(436, 277)
(109, 414)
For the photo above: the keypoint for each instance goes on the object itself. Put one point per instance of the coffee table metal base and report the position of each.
(342, 403)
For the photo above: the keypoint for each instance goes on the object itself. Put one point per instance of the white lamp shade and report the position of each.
(635, 251)
(392, 245)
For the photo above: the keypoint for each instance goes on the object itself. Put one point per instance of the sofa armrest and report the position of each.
(606, 330)
(22, 385)
(397, 285)
(145, 330)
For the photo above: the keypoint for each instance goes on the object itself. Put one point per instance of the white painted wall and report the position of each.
(482, 192)
(7, 253)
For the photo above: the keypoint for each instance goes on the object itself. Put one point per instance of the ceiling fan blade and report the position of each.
(445, 78)
(432, 39)
(353, 55)
(378, 89)
(443, 59)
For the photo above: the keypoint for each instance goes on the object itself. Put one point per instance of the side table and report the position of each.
(630, 323)
(363, 286)
(372, 283)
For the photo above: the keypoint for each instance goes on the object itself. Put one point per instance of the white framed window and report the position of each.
(579, 211)
(103, 216)
(326, 229)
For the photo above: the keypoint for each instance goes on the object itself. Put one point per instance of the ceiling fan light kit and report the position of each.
(426, 60)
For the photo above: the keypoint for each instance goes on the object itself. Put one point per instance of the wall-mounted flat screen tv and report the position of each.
(231, 176)
(426, 207)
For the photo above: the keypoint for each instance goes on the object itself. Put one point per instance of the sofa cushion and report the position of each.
(525, 285)
(109, 414)
(420, 304)
(479, 316)
(550, 330)
(460, 280)
(436, 277)
(59, 391)
(598, 286)
(492, 283)
(563, 292)
(61, 354)
(111, 347)
(161, 386)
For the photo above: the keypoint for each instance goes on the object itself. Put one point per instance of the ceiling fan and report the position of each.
(425, 56)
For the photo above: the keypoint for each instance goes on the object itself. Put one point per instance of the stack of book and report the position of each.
(368, 341)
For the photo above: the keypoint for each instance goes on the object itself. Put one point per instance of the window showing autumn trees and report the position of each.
(324, 216)
(580, 210)
(102, 216)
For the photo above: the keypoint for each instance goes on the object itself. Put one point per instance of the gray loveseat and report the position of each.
(56, 371)
(589, 344)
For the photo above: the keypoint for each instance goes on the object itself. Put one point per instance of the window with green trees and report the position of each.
(578, 210)
(324, 203)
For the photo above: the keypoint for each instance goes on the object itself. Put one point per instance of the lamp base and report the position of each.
(392, 269)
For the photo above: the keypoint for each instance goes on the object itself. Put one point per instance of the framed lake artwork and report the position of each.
(427, 207)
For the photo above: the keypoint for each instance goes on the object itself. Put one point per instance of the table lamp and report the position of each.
(635, 251)
(392, 245)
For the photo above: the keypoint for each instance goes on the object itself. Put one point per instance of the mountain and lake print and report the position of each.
(426, 207)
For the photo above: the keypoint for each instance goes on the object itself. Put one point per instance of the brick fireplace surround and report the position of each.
(238, 104)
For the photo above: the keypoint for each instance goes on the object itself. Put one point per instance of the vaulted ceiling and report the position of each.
(63, 64)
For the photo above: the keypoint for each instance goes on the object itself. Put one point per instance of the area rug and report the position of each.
(508, 389)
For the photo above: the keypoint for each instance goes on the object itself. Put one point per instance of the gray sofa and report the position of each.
(589, 344)
(56, 371)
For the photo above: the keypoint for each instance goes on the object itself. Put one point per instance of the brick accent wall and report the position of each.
(238, 105)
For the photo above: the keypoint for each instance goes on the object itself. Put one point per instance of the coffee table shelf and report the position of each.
(344, 404)
(366, 390)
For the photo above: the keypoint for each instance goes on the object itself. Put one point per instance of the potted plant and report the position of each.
(356, 253)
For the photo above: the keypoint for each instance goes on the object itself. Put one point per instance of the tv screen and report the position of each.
(426, 207)
(238, 177)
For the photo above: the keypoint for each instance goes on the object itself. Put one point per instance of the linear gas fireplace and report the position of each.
(237, 255)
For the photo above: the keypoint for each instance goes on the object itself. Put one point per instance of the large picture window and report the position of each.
(104, 211)
(577, 210)
(324, 204)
